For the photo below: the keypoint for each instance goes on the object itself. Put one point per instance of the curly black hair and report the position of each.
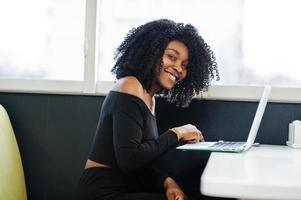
(143, 47)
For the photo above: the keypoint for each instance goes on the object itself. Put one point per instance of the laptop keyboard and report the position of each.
(227, 145)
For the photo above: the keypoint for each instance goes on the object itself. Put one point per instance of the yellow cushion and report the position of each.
(12, 181)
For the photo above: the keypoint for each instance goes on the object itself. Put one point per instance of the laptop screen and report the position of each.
(258, 116)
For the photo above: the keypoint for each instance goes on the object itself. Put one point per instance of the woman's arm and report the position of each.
(131, 151)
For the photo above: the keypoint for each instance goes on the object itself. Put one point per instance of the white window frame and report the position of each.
(278, 94)
(90, 85)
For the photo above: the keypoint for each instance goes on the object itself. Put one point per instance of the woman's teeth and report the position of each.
(172, 77)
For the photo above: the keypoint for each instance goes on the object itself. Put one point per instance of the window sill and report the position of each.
(216, 92)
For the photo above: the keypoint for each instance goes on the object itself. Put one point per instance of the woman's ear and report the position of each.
(159, 65)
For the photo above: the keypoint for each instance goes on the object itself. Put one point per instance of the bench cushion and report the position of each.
(12, 181)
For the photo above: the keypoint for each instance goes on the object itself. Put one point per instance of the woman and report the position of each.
(158, 58)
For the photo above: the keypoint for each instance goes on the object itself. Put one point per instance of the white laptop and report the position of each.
(232, 146)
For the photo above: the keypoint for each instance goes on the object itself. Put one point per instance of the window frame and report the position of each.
(87, 86)
(90, 85)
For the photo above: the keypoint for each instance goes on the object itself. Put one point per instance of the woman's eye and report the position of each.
(184, 66)
(171, 57)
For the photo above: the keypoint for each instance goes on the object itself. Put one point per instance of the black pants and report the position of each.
(107, 184)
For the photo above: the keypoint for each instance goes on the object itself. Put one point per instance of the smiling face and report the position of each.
(173, 67)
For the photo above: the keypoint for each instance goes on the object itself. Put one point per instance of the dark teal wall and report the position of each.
(54, 133)
(229, 120)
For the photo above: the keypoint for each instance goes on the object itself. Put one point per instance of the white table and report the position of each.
(264, 172)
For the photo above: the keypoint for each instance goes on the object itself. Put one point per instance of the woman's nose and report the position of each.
(178, 67)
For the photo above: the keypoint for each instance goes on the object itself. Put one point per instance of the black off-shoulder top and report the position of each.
(127, 137)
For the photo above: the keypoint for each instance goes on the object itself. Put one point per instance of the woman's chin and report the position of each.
(168, 86)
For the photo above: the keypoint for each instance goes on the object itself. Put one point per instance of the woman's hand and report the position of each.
(173, 191)
(188, 133)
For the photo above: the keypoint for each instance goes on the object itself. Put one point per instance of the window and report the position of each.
(271, 43)
(49, 46)
(256, 42)
(42, 40)
(217, 20)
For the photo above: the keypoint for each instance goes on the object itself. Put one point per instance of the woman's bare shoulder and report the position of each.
(129, 85)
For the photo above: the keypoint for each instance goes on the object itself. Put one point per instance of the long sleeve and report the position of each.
(134, 144)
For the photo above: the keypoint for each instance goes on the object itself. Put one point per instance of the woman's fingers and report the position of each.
(179, 198)
(197, 137)
(201, 137)
(188, 133)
